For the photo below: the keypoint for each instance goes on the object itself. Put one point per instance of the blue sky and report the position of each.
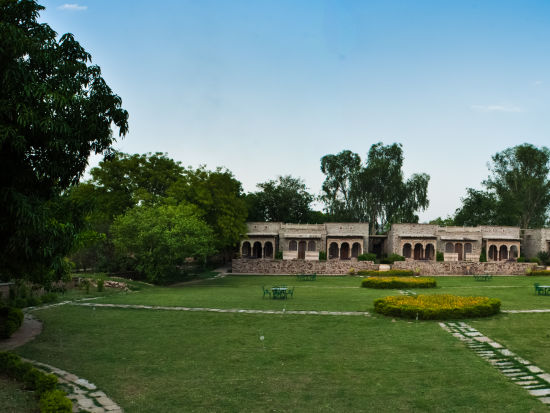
(266, 88)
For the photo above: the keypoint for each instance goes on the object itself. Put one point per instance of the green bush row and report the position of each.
(366, 257)
(390, 273)
(51, 400)
(11, 319)
(390, 259)
(398, 282)
(437, 307)
(539, 272)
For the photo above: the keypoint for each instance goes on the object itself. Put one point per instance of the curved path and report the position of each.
(84, 395)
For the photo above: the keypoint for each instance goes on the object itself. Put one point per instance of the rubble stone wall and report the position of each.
(465, 268)
(330, 267)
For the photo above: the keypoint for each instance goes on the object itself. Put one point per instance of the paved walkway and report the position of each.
(520, 371)
(30, 328)
(224, 310)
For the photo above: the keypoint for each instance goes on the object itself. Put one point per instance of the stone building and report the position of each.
(535, 241)
(423, 241)
(305, 241)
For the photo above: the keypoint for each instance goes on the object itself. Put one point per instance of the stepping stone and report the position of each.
(506, 352)
(540, 392)
(86, 384)
(545, 400)
(526, 383)
(494, 344)
(545, 377)
(534, 369)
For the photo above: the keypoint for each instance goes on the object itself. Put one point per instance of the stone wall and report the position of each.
(330, 267)
(465, 268)
(534, 241)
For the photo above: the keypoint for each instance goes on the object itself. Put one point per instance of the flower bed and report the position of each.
(390, 273)
(437, 307)
(398, 282)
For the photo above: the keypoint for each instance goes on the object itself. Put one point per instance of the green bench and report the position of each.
(483, 277)
(542, 289)
(306, 277)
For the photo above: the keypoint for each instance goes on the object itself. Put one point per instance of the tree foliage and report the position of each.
(375, 192)
(159, 238)
(284, 199)
(517, 191)
(55, 110)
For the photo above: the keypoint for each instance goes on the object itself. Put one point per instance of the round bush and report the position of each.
(11, 319)
(437, 307)
(398, 282)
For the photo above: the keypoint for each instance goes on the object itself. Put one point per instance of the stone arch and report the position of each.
(449, 247)
(257, 250)
(245, 250)
(493, 253)
(355, 249)
(292, 246)
(344, 251)
(429, 254)
(302, 246)
(503, 253)
(333, 250)
(458, 250)
(418, 251)
(513, 252)
(311, 246)
(268, 250)
(407, 250)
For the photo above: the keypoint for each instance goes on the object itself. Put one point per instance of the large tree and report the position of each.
(375, 192)
(55, 110)
(284, 199)
(517, 191)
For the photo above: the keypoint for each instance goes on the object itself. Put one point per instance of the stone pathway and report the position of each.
(520, 371)
(224, 310)
(30, 328)
(84, 395)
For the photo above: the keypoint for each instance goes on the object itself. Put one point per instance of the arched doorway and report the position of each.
(493, 253)
(268, 250)
(467, 249)
(302, 250)
(311, 246)
(418, 252)
(407, 250)
(430, 252)
(257, 250)
(344, 251)
(503, 253)
(449, 247)
(292, 245)
(245, 252)
(333, 251)
(355, 250)
(458, 250)
(513, 252)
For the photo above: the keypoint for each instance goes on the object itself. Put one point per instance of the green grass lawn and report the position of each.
(166, 361)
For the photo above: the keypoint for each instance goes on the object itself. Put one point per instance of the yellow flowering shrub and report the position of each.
(437, 307)
(398, 282)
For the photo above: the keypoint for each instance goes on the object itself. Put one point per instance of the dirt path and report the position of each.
(30, 328)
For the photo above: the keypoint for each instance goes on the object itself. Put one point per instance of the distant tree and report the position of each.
(285, 199)
(375, 192)
(55, 110)
(159, 238)
(517, 190)
(219, 197)
(443, 222)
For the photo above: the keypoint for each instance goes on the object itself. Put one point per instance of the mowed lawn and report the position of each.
(174, 361)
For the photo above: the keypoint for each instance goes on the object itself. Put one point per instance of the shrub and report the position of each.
(539, 272)
(367, 257)
(544, 257)
(439, 256)
(322, 255)
(278, 255)
(398, 282)
(483, 255)
(521, 259)
(392, 273)
(49, 298)
(390, 259)
(11, 319)
(437, 307)
(351, 271)
(55, 402)
(100, 285)
(535, 259)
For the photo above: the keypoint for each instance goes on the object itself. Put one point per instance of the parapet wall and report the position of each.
(465, 268)
(330, 267)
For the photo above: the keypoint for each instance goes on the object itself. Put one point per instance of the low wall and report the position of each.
(465, 268)
(329, 267)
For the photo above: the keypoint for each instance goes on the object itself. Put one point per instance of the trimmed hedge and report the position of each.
(437, 307)
(11, 319)
(366, 257)
(51, 400)
(390, 273)
(539, 272)
(398, 282)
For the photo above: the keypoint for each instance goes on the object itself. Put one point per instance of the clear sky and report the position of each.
(267, 88)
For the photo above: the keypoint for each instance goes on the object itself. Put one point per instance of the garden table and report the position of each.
(279, 292)
(542, 289)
